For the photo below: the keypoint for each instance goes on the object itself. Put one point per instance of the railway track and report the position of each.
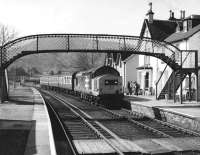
(77, 127)
(163, 128)
(87, 122)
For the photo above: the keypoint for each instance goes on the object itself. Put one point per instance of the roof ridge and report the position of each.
(172, 21)
(183, 35)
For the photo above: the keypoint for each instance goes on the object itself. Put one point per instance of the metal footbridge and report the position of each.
(94, 43)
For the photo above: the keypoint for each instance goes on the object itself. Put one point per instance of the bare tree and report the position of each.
(84, 61)
(6, 34)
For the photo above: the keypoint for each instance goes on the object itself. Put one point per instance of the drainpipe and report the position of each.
(1, 72)
(189, 86)
(197, 74)
(124, 76)
(181, 93)
(174, 92)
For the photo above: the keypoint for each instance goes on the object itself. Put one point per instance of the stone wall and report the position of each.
(168, 116)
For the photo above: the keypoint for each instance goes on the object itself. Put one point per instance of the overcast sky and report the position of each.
(87, 16)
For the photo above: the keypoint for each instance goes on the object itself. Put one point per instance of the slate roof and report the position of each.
(159, 29)
(125, 55)
(182, 35)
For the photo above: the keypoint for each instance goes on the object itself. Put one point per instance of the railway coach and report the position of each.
(57, 82)
(101, 85)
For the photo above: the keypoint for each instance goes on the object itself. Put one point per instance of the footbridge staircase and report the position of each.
(167, 85)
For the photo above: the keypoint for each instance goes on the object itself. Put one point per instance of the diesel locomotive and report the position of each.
(101, 85)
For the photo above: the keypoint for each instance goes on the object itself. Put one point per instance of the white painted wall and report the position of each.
(131, 71)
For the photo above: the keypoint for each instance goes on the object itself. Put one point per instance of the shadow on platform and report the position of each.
(14, 135)
(21, 101)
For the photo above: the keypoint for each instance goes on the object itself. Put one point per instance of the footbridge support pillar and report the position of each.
(3, 85)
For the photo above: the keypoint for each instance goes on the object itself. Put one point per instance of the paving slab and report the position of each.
(25, 126)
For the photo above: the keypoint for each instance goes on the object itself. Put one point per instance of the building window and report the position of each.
(95, 84)
(140, 77)
(146, 80)
(146, 60)
(185, 26)
(189, 24)
(178, 29)
(146, 34)
(120, 62)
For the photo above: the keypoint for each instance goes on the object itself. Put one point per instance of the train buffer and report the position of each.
(25, 126)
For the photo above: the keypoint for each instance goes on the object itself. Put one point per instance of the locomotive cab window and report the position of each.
(111, 82)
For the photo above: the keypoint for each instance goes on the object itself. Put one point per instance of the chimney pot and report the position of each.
(150, 13)
(183, 12)
(181, 17)
(170, 13)
(150, 5)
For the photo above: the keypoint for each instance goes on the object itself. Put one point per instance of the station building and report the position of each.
(150, 72)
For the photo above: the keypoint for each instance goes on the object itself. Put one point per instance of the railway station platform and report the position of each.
(25, 127)
(186, 115)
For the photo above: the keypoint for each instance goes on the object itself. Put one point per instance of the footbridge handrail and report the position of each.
(46, 43)
(186, 60)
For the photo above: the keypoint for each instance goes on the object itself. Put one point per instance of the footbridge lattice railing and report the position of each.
(47, 43)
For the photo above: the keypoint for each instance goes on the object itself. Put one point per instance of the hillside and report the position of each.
(47, 62)
(55, 62)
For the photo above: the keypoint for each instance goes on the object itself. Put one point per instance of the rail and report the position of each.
(72, 107)
(155, 126)
(64, 131)
(138, 122)
(169, 124)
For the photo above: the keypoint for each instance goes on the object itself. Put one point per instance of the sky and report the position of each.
(29, 17)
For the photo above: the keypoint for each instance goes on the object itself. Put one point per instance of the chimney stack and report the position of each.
(170, 13)
(182, 14)
(150, 13)
(171, 17)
